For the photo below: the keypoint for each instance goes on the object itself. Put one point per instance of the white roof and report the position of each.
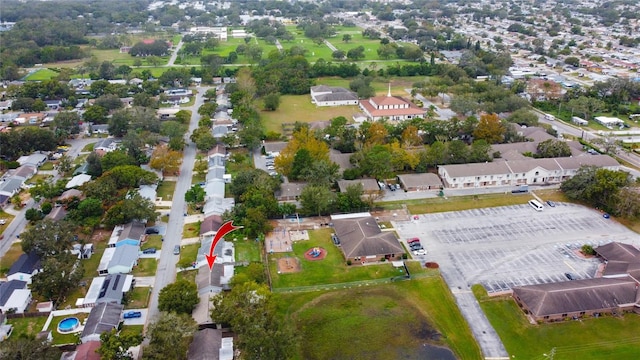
(78, 180)
(106, 258)
(18, 299)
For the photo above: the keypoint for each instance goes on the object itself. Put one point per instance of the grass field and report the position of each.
(12, 254)
(188, 274)
(247, 250)
(27, 326)
(42, 74)
(60, 339)
(299, 108)
(166, 189)
(153, 241)
(191, 230)
(390, 321)
(188, 255)
(146, 267)
(593, 338)
(138, 298)
(457, 203)
(333, 269)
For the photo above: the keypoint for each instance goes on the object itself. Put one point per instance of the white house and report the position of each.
(14, 295)
(124, 258)
(323, 95)
(25, 267)
(390, 107)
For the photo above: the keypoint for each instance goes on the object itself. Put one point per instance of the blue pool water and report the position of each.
(68, 324)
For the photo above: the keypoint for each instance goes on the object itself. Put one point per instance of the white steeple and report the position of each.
(389, 93)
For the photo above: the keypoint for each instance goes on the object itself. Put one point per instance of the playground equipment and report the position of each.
(315, 252)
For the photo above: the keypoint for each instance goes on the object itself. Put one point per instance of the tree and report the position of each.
(316, 199)
(375, 162)
(572, 60)
(95, 114)
(134, 207)
(115, 158)
(346, 38)
(351, 200)
(60, 275)
(490, 128)
(68, 122)
(180, 297)
(523, 117)
(598, 187)
(165, 159)
(553, 148)
(250, 309)
(272, 101)
(356, 54)
(301, 139)
(64, 164)
(119, 123)
(28, 347)
(203, 139)
(586, 106)
(94, 164)
(47, 238)
(33, 215)
(195, 195)
(338, 54)
(208, 109)
(114, 346)
(169, 337)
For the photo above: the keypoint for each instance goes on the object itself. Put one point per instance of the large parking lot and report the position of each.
(513, 245)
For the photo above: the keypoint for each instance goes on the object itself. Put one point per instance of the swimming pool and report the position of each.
(68, 325)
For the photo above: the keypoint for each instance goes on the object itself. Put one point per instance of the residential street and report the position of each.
(166, 272)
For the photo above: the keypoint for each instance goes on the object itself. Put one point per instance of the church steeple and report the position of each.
(389, 93)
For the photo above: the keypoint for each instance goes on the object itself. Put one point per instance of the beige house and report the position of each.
(362, 241)
(420, 182)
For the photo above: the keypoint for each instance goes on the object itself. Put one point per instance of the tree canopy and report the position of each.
(180, 297)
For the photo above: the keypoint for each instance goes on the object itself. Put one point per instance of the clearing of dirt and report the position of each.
(288, 265)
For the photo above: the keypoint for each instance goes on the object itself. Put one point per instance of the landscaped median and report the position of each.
(606, 337)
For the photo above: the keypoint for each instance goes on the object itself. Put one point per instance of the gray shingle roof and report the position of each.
(26, 264)
(417, 180)
(205, 345)
(102, 318)
(362, 237)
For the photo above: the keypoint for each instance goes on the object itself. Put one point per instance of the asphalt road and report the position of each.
(166, 272)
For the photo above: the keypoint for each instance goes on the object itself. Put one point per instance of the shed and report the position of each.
(419, 182)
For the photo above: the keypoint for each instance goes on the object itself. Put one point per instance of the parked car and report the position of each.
(606, 216)
(176, 250)
(420, 252)
(132, 315)
(551, 203)
(149, 251)
(335, 239)
(151, 231)
(569, 276)
(412, 240)
(415, 246)
(3, 221)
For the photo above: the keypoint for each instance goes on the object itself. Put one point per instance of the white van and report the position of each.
(536, 205)
(549, 117)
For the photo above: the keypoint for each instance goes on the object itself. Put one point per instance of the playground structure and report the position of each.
(315, 253)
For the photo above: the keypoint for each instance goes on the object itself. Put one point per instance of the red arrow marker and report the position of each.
(224, 230)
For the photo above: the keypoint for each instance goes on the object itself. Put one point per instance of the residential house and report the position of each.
(290, 191)
(100, 129)
(57, 213)
(342, 159)
(35, 160)
(123, 260)
(25, 267)
(106, 145)
(148, 192)
(208, 344)
(214, 189)
(323, 95)
(519, 172)
(86, 351)
(215, 280)
(69, 195)
(78, 181)
(209, 226)
(369, 186)
(104, 317)
(128, 234)
(394, 108)
(363, 241)
(217, 205)
(274, 148)
(15, 296)
(53, 104)
(107, 289)
(420, 182)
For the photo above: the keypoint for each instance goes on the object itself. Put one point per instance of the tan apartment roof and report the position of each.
(362, 237)
(417, 180)
(368, 185)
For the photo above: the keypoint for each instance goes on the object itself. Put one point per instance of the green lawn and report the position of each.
(153, 241)
(191, 230)
(12, 254)
(131, 329)
(333, 269)
(146, 267)
(188, 255)
(457, 203)
(38, 178)
(118, 58)
(591, 338)
(299, 108)
(189, 275)
(88, 147)
(198, 178)
(166, 189)
(247, 250)
(389, 321)
(46, 166)
(61, 339)
(80, 159)
(42, 74)
(27, 326)
(138, 298)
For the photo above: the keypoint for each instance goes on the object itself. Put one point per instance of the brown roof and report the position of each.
(342, 159)
(57, 214)
(71, 193)
(417, 180)
(368, 185)
(291, 189)
(210, 224)
(478, 169)
(87, 351)
(616, 251)
(577, 295)
(218, 149)
(274, 146)
(205, 345)
(362, 237)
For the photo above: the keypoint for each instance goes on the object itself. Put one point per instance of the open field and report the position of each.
(42, 74)
(166, 189)
(146, 267)
(247, 250)
(299, 108)
(333, 269)
(27, 326)
(381, 85)
(356, 323)
(594, 338)
(457, 203)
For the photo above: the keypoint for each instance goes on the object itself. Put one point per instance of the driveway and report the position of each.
(136, 321)
(509, 246)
